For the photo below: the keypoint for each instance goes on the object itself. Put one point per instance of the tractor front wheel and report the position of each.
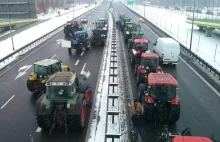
(31, 85)
(174, 113)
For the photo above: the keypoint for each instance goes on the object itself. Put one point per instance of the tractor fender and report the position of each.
(78, 105)
(32, 76)
(43, 100)
(83, 87)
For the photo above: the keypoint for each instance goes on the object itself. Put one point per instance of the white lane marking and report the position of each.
(88, 29)
(38, 129)
(7, 101)
(206, 82)
(202, 78)
(53, 56)
(82, 53)
(83, 68)
(76, 62)
(31, 53)
(20, 74)
(58, 41)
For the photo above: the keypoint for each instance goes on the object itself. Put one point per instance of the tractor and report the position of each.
(42, 70)
(159, 99)
(129, 27)
(79, 41)
(184, 136)
(98, 38)
(65, 102)
(135, 35)
(122, 22)
(102, 26)
(149, 62)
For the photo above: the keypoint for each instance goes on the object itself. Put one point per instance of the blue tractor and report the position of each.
(80, 41)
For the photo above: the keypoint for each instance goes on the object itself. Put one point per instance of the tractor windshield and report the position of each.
(59, 92)
(137, 36)
(100, 24)
(141, 46)
(56, 68)
(40, 70)
(162, 92)
(80, 36)
(150, 64)
(129, 27)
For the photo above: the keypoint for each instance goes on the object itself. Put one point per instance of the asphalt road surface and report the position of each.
(199, 103)
(17, 112)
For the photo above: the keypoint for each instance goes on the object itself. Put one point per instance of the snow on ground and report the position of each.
(31, 34)
(97, 129)
(54, 13)
(175, 25)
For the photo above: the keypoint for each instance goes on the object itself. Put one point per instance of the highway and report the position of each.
(17, 104)
(199, 103)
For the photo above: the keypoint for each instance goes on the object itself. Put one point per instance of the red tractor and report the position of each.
(184, 136)
(159, 99)
(149, 62)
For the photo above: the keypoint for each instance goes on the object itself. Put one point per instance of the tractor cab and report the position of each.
(134, 35)
(161, 87)
(61, 86)
(47, 67)
(80, 36)
(149, 62)
(141, 45)
(99, 24)
(123, 20)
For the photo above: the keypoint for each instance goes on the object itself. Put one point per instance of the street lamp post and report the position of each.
(190, 47)
(9, 16)
(144, 9)
(73, 9)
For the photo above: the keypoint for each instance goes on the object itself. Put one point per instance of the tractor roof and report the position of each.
(126, 18)
(141, 41)
(149, 55)
(61, 78)
(80, 32)
(128, 22)
(46, 62)
(162, 79)
(190, 139)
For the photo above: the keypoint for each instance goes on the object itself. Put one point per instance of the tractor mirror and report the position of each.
(154, 44)
(47, 96)
(149, 41)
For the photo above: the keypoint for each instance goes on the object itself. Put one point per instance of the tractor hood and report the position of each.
(190, 139)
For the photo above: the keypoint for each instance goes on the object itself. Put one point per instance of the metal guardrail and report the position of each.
(36, 42)
(113, 117)
(205, 64)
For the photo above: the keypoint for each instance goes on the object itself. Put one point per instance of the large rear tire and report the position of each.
(44, 121)
(174, 113)
(30, 85)
(77, 122)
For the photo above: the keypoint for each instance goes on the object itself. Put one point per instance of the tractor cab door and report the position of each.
(54, 68)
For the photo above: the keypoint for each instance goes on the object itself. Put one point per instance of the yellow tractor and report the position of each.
(42, 71)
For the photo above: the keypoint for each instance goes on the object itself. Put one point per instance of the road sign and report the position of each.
(130, 2)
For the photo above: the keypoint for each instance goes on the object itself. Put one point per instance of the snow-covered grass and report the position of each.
(38, 31)
(174, 24)
(54, 13)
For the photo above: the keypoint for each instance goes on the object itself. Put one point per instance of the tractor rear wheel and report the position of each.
(31, 85)
(77, 122)
(174, 113)
(148, 111)
(44, 121)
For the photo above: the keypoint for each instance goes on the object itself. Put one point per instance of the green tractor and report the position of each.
(42, 70)
(134, 35)
(122, 22)
(129, 28)
(65, 102)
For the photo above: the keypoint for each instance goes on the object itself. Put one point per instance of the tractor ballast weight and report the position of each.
(42, 71)
(64, 103)
(159, 98)
(134, 35)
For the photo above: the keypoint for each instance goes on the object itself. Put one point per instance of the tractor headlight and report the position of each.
(104, 28)
(147, 67)
(102, 35)
(127, 32)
